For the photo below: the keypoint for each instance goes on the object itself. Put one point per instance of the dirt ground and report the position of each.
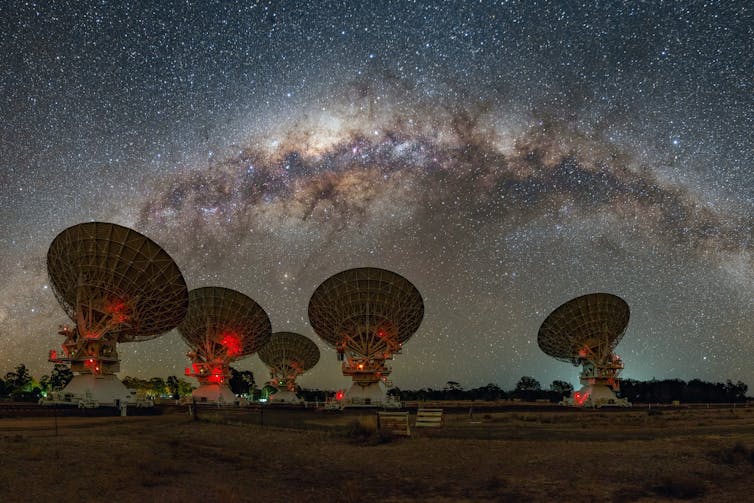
(703, 455)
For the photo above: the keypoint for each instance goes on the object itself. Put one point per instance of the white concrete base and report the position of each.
(285, 396)
(373, 394)
(214, 393)
(597, 395)
(88, 390)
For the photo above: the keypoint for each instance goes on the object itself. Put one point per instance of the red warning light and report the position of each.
(232, 343)
(580, 398)
(339, 395)
(216, 376)
(92, 365)
(117, 310)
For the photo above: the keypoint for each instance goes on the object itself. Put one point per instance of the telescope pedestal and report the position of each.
(214, 393)
(285, 396)
(365, 395)
(597, 395)
(89, 390)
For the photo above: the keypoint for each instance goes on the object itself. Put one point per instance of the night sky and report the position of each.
(504, 157)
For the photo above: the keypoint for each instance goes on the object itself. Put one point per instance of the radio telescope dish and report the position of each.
(288, 355)
(116, 285)
(585, 331)
(366, 314)
(221, 326)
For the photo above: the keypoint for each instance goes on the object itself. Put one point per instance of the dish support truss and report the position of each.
(600, 371)
(284, 375)
(364, 350)
(91, 346)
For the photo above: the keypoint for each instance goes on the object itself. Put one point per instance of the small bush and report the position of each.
(359, 429)
(680, 487)
(736, 454)
(382, 437)
(364, 432)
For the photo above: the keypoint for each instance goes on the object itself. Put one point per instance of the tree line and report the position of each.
(20, 385)
(693, 391)
(635, 391)
(527, 389)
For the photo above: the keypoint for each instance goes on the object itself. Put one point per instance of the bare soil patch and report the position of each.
(701, 455)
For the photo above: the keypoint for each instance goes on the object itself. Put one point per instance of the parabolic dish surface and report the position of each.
(365, 297)
(593, 320)
(96, 263)
(220, 316)
(286, 347)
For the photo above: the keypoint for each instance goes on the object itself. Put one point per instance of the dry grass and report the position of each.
(622, 457)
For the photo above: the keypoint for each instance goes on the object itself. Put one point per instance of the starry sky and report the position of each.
(503, 156)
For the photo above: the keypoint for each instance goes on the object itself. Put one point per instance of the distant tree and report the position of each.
(735, 392)
(453, 391)
(60, 376)
(267, 390)
(489, 392)
(173, 387)
(453, 386)
(10, 381)
(241, 381)
(142, 386)
(18, 380)
(129, 382)
(562, 388)
(741, 389)
(24, 378)
(529, 389)
(184, 387)
(527, 383)
(312, 395)
(157, 387)
(44, 383)
(423, 394)
(695, 391)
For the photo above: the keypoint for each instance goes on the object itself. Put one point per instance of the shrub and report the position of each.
(357, 429)
(365, 432)
(680, 487)
(736, 454)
